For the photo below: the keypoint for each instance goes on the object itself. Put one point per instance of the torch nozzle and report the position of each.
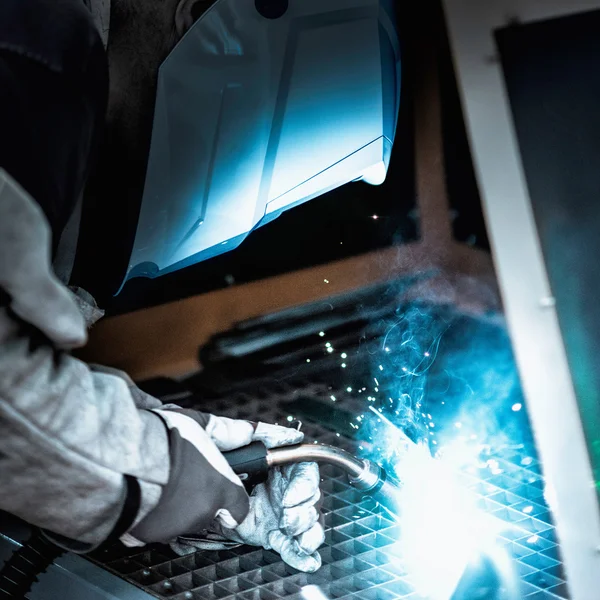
(252, 463)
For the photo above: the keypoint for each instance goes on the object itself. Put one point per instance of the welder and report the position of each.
(130, 111)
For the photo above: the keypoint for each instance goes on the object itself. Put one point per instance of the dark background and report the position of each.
(553, 78)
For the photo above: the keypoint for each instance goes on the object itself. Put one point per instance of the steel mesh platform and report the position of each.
(360, 556)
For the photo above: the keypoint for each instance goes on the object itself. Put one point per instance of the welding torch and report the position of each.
(481, 580)
(252, 463)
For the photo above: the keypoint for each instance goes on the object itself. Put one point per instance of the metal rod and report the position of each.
(363, 475)
(353, 466)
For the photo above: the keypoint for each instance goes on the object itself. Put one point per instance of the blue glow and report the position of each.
(455, 407)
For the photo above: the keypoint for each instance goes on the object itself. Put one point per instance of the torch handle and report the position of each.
(249, 463)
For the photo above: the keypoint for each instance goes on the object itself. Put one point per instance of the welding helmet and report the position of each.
(263, 105)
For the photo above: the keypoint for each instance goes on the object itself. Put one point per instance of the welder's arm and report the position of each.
(83, 454)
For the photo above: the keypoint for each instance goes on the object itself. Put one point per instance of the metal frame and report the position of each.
(528, 301)
(71, 577)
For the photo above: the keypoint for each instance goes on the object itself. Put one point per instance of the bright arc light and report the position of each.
(442, 528)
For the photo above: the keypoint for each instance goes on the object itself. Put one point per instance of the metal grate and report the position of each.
(360, 559)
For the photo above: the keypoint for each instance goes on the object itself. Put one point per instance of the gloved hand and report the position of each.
(284, 514)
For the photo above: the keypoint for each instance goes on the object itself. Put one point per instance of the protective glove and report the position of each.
(284, 513)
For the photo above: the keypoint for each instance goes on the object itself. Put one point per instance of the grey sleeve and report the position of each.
(85, 454)
(69, 440)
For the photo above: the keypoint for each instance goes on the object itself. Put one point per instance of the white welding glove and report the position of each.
(284, 514)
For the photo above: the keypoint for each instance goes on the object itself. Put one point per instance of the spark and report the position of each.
(308, 360)
(376, 382)
(326, 280)
(343, 365)
(381, 367)
(427, 354)
(328, 345)
(387, 350)
(517, 407)
(528, 510)
(333, 398)
(290, 418)
(375, 217)
(330, 350)
(404, 438)
(344, 355)
(533, 539)
(348, 389)
(494, 467)
(321, 334)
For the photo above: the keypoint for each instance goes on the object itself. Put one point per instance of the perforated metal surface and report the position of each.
(360, 556)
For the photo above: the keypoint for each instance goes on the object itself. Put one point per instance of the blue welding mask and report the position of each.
(262, 106)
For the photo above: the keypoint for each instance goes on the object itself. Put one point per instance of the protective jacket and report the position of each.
(83, 452)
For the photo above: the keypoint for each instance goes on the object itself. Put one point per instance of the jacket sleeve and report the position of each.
(84, 454)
